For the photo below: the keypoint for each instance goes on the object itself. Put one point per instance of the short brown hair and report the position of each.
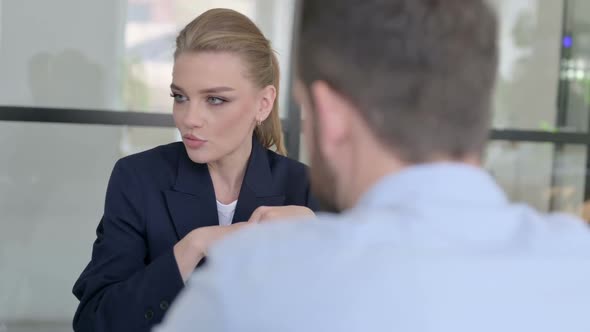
(421, 72)
(225, 30)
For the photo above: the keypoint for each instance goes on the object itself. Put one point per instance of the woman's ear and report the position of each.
(268, 97)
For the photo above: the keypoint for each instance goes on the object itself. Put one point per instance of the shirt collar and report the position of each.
(435, 182)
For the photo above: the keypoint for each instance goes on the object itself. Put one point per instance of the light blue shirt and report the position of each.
(432, 248)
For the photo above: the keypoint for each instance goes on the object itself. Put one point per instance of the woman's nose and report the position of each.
(194, 116)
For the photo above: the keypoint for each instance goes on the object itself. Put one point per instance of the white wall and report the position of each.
(52, 183)
(59, 53)
(63, 53)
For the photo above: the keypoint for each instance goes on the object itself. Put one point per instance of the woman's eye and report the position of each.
(178, 97)
(215, 100)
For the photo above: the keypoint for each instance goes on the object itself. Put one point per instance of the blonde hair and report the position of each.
(225, 30)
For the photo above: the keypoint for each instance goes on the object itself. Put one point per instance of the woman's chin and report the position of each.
(199, 156)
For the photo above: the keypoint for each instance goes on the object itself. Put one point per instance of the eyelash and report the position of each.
(221, 101)
(176, 97)
(213, 101)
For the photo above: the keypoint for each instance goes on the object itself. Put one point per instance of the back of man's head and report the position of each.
(420, 72)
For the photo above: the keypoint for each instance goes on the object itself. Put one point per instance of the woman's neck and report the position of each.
(228, 173)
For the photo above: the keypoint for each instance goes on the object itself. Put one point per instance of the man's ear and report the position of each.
(334, 114)
(268, 96)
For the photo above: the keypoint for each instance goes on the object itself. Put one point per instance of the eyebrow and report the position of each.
(217, 89)
(176, 87)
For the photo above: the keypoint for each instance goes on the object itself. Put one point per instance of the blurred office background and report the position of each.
(85, 82)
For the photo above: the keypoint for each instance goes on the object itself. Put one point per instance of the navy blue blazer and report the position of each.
(153, 200)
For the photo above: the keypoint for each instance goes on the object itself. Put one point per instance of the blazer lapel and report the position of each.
(191, 201)
(258, 188)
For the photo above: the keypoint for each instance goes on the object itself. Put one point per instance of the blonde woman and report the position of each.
(166, 206)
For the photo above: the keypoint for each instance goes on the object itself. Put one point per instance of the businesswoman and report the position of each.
(164, 207)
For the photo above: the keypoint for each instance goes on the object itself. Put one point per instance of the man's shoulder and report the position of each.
(272, 233)
(260, 246)
(401, 255)
(523, 231)
(559, 232)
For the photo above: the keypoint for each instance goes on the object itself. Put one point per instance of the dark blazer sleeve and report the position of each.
(118, 291)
